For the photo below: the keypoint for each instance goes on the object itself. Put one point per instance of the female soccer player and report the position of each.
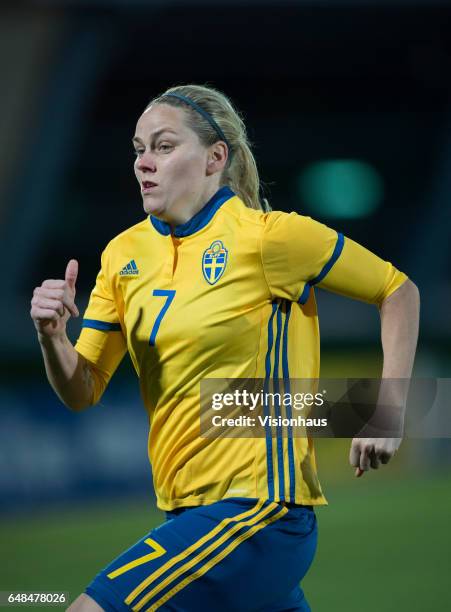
(211, 285)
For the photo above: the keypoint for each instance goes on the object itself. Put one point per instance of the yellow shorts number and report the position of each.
(158, 550)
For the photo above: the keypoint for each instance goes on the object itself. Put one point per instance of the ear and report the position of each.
(216, 157)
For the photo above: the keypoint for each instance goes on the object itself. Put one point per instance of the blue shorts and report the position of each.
(235, 555)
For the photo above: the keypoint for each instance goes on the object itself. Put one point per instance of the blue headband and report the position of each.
(205, 115)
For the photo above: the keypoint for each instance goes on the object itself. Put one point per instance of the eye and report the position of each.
(138, 152)
(165, 147)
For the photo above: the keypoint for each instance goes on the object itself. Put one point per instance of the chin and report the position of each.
(151, 207)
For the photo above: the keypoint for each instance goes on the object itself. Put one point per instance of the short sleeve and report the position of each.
(362, 275)
(101, 340)
(299, 253)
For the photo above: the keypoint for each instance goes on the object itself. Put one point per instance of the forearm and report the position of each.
(399, 332)
(67, 371)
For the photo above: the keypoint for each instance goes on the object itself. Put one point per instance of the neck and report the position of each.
(188, 210)
(195, 223)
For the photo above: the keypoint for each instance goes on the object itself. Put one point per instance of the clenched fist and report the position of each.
(53, 303)
(372, 452)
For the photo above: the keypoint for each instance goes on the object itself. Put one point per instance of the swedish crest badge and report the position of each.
(214, 261)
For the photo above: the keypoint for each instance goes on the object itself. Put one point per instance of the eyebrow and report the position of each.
(154, 134)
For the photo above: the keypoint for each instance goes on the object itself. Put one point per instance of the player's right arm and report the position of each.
(68, 372)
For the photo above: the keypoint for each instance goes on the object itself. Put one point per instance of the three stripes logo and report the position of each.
(167, 579)
(131, 269)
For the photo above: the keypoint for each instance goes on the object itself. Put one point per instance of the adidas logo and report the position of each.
(130, 269)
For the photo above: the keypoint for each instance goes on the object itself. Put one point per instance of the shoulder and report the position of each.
(236, 210)
(130, 235)
(271, 228)
(292, 227)
(125, 247)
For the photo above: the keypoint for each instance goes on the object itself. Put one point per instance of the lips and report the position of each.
(147, 186)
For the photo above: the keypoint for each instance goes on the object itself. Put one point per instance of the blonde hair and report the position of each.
(240, 173)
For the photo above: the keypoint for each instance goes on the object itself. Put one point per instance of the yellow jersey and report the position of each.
(229, 294)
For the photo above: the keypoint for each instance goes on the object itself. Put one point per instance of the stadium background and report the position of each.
(348, 105)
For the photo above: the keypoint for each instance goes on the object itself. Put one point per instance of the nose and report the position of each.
(146, 162)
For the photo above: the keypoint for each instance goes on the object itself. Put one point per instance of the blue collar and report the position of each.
(200, 219)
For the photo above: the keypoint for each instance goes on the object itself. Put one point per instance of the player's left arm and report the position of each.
(360, 274)
(399, 331)
(299, 253)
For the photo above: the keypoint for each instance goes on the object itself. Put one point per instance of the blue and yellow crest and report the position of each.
(214, 262)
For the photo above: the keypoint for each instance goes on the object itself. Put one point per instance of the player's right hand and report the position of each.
(53, 303)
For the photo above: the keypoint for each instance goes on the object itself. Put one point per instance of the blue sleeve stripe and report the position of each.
(335, 255)
(305, 293)
(101, 325)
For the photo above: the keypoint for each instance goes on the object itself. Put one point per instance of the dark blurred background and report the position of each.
(348, 106)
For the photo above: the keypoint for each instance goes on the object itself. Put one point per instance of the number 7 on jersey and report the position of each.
(169, 294)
